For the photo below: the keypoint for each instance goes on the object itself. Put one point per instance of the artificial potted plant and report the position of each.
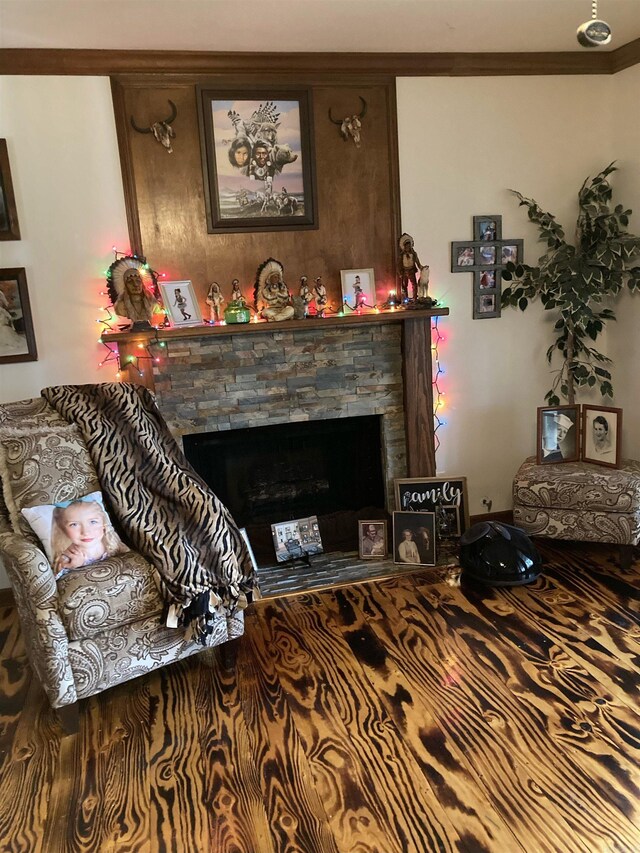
(579, 281)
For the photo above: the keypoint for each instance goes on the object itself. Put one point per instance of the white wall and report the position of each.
(462, 143)
(61, 138)
(624, 347)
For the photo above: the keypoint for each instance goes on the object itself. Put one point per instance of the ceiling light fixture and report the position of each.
(595, 32)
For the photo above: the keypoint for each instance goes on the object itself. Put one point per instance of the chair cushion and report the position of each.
(108, 594)
(579, 486)
(43, 465)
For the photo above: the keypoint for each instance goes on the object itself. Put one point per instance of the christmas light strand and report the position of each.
(438, 396)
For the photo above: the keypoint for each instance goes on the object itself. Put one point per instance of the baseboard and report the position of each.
(505, 516)
(6, 597)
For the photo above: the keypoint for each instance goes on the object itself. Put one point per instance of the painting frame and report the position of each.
(13, 286)
(252, 192)
(486, 304)
(609, 455)
(176, 313)
(425, 550)
(372, 550)
(366, 279)
(424, 494)
(9, 227)
(550, 420)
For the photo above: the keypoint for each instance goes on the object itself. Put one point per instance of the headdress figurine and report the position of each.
(133, 290)
(408, 265)
(271, 295)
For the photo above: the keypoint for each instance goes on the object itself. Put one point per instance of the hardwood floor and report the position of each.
(407, 714)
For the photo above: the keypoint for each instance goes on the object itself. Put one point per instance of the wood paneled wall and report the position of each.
(357, 189)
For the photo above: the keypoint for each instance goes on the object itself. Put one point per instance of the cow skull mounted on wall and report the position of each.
(162, 130)
(350, 126)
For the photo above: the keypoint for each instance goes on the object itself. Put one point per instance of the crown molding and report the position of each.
(626, 56)
(22, 61)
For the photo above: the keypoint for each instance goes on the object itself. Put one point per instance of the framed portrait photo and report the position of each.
(358, 289)
(430, 494)
(487, 228)
(463, 256)
(601, 435)
(9, 228)
(257, 153)
(558, 434)
(486, 279)
(180, 302)
(17, 340)
(511, 252)
(414, 538)
(372, 540)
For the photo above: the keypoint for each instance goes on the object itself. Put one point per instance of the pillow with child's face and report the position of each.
(74, 533)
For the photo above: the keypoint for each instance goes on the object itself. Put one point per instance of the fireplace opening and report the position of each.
(293, 470)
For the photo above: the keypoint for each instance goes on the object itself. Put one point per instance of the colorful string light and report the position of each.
(438, 395)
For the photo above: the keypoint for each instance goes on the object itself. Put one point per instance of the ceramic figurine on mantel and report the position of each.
(271, 297)
(321, 295)
(214, 300)
(412, 272)
(236, 293)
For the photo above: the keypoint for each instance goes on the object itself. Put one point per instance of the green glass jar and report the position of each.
(237, 312)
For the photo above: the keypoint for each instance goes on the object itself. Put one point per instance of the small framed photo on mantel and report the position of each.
(180, 303)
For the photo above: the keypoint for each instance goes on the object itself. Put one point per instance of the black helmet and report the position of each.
(498, 555)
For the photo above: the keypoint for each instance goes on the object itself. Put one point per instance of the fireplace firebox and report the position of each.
(292, 470)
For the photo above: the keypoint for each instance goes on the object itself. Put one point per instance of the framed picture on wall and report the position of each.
(180, 302)
(9, 228)
(358, 289)
(17, 340)
(257, 155)
(601, 435)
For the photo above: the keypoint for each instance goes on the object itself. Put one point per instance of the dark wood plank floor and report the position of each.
(403, 715)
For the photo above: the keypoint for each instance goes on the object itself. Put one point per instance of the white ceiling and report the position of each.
(311, 25)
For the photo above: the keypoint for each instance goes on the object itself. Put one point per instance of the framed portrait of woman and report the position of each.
(414, 538)
(601, 434)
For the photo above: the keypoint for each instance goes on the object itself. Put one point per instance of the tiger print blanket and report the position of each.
(165, 510)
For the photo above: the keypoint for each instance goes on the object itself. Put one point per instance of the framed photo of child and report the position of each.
(180, 303)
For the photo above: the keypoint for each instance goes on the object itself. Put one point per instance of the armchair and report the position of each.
(101, 624)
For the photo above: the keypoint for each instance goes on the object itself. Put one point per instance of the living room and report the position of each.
(484, 103)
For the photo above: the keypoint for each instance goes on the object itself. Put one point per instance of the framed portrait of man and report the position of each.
(372, 540)
(558, 434)
(257, 159)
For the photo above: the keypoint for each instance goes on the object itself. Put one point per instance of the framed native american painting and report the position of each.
(9, 228)
(257, 153)
(17, 340)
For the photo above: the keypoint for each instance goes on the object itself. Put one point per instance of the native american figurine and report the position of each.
(271, 295)
(408, 266)
(214, 300)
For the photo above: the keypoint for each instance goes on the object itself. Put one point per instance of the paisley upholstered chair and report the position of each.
(96, 626)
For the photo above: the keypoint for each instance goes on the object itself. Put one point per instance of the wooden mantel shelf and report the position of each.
(401, 315)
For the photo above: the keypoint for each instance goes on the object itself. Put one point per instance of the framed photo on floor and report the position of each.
(257, 155)
(414, 538)
(426, 494)
(601, 435)
(17, 339)
(372, 540)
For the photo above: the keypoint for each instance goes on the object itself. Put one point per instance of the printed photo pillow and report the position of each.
(74, 533)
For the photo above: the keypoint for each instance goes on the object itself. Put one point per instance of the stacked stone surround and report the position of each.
(221, 382)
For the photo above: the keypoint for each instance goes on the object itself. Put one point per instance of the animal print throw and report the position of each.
(165, 511)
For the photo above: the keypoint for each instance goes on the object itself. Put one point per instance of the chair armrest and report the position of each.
(36, 597)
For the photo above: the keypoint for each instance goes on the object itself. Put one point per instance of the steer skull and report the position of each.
(161, 130)
(350, 126)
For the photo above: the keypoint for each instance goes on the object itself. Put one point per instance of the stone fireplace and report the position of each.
(212, 383)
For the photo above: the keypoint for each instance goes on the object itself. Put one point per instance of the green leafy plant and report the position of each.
(579, 282)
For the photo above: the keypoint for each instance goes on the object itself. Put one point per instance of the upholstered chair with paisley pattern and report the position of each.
(98, 625)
